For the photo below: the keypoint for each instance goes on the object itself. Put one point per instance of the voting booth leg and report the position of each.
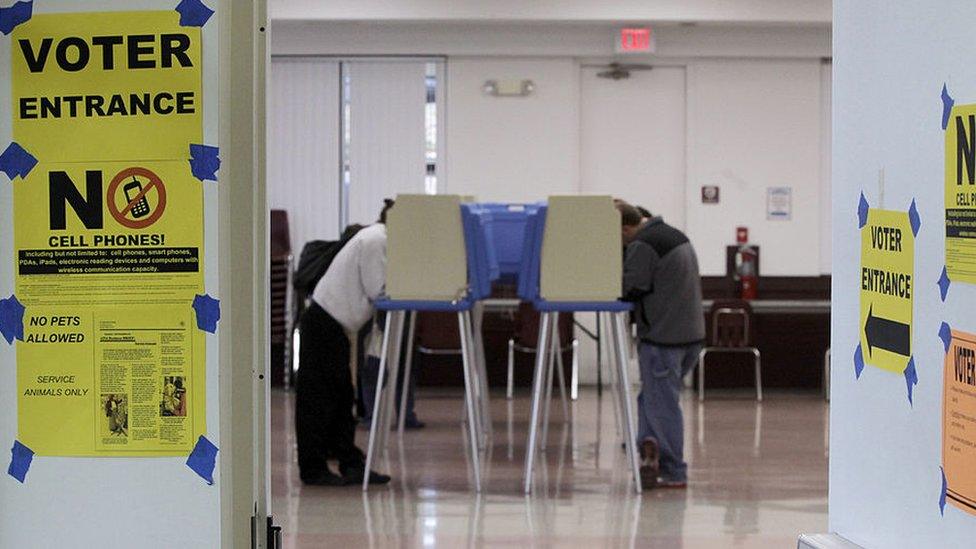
(407, 372)
(538, 378)
(393, 375)
(574, 383)
(630, 430)
(561, 377)
(377, 402)
(479, 393)
(614, 385)
(467, 360)
(701, 374)
(474, 334)
(511, 369)
(547, 400)
(599, 355)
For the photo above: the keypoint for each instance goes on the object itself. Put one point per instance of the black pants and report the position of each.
(324, 424)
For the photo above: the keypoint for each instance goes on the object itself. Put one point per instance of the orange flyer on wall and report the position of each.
(959, 422)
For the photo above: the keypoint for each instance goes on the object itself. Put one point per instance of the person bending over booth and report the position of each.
(661, 278)
(342, 302)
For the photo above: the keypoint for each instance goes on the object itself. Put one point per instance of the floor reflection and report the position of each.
(758, 479)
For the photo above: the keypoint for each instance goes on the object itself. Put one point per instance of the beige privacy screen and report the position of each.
(582, 250)
(425, 248)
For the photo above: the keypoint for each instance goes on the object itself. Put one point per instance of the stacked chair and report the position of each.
(281, 302)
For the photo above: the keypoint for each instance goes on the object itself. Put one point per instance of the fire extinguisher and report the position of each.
(746, 265)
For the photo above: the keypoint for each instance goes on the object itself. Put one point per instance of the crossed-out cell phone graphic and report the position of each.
(132, 190)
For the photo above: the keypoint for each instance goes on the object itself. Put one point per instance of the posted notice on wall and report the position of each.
(959, 422)
(960, 194)
(108, 234)
(779, 203)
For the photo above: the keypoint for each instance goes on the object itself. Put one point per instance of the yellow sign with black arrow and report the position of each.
(887, 289)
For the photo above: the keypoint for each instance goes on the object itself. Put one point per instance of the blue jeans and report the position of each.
(658, 406)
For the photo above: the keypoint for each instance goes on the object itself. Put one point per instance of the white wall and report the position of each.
(885, 454)
(303, 147)
(755, 124)
(728, 11)
(514, 149)
(755, 117)
(542, 39)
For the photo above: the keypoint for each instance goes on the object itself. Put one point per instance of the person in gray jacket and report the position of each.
(661, 278)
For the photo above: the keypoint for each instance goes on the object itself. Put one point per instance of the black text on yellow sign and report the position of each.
(81, 81)
(960, 194)
(887, 288)
(108, 233)
(113, 218)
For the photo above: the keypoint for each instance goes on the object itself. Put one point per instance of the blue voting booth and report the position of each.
(501, 242)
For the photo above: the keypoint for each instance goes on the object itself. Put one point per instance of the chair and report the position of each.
(282, 301)
(579, 218)
(731, 322)
(526, 328)
(428, 234)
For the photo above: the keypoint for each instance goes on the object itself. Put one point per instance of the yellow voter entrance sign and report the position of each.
(887, 289)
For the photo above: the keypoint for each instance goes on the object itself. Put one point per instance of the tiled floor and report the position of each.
(758, 479)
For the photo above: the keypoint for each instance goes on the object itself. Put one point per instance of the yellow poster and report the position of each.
(887, 289)
(108, 234)
(960, 194)
(959, 422)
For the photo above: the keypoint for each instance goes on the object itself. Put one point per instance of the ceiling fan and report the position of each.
(620, 71)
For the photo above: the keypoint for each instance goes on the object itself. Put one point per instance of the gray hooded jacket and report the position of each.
(661, 278)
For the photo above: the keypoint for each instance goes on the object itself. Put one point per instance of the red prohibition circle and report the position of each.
(120, 215)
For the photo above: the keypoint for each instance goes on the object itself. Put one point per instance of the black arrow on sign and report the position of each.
(887, 334)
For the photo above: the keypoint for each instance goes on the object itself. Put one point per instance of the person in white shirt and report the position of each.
(342, 302)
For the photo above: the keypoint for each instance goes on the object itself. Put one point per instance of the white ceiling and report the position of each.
(750, 12)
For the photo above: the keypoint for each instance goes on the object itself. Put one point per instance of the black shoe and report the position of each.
(650, 463)
(325, 478)
(354, 475)
(414, 424)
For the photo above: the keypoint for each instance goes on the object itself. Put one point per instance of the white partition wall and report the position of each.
(891, 60)
(92, 497)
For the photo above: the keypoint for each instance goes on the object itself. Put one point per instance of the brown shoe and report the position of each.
(650, 463)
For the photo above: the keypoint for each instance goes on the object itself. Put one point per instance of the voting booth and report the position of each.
(438, 259)
(134, 416)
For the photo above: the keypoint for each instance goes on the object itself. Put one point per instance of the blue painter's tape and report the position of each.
(193, 13)
(20, 461)
(911, 379)
(11, 319)
(944, 284)
(862, 212)
(945, 334)
(947, 103)
(203, 459)
(858, 361)
(945, 490)
(16, 14)
(913, 217)
(208, 312)
(204, 162)
(15, 161)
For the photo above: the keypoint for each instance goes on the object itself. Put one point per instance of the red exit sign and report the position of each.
(635, 40)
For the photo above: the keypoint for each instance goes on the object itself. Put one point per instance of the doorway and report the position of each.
(632, 138)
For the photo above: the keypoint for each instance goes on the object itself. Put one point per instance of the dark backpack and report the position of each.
(316, 257)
